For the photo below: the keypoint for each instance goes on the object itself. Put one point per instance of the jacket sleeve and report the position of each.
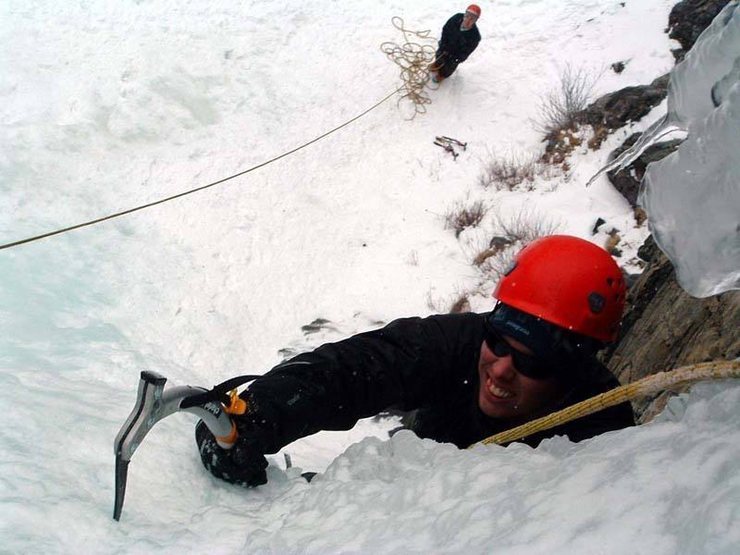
(447, 33)
(404, 364)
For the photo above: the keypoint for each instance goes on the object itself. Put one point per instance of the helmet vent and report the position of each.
(596, 302)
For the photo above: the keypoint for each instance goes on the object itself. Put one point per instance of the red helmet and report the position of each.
(474, 9)
(569, 282)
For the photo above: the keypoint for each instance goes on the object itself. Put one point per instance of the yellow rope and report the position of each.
(413, 58)
(685, 375)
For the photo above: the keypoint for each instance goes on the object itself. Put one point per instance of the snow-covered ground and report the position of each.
(108, 105)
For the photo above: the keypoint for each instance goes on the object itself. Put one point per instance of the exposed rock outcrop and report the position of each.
(609, 112)
(688, 19)
(616, 109)
(666, 328)
(627, 181)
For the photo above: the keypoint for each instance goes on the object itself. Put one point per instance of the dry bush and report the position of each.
(508, 172)
(462, 216)
(514, 231)
(461, 305)
(525, 226)
(458, 303)
(559, 108)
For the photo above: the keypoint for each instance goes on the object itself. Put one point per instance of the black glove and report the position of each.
(244, 464)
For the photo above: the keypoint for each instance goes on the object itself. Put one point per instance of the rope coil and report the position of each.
(715, 370)
(414, 59)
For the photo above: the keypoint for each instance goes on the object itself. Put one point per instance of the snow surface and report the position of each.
(108, 105)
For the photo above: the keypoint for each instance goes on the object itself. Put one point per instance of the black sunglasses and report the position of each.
(527, 365)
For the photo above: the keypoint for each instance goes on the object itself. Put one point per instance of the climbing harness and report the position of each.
(414, 59)
(649, 385)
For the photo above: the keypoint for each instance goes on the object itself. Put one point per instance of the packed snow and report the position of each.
(109, 105)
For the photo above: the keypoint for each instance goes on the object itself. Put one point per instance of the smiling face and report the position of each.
(506, 393)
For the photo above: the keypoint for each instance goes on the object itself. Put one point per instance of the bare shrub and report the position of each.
(459, 302)
(559, 108)
(461, 305)
(525, 226)
(514, 232)
(508, 172)
(462, 216)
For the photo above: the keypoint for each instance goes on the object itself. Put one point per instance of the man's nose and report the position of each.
(503, 368)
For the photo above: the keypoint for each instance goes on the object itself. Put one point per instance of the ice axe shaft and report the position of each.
(153, 403)
(458, 142)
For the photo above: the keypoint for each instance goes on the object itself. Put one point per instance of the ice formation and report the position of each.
(693, 196)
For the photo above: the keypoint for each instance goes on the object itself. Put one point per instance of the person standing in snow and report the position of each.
(463, 377)
(460, 36)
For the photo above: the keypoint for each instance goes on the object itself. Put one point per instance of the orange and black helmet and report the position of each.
(569, 282)
(473, 9)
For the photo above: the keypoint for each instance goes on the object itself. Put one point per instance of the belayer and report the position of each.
(460, 36)
(464, 376)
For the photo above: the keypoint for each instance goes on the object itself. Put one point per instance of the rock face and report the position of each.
(665, 328)
(688, 19)
(610, 112)
(616, 109)
(627, 181)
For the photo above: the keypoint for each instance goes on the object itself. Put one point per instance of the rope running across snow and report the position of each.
(414, 60)
(716, 370)
(191, 191)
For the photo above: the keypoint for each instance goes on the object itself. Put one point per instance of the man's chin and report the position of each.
(494, 410)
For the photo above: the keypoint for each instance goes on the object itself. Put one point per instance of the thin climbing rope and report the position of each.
(191, 191)
(414, 59)
(716, 370)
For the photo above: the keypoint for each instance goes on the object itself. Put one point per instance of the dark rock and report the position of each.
(649, 250)
(616, 109)
(499, 243)
(597, 225)
(664, 328)
(688, 19)
(618, 67)
(627, 181)
(316, 326)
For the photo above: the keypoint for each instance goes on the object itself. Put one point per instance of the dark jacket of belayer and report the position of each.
(429, 365)
(456, 44)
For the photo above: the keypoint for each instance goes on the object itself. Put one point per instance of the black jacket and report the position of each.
(429, 365)
(456, 43)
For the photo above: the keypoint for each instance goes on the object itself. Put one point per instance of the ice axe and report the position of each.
(154, 402)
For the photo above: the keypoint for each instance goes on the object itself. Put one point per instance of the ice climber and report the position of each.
(460, 36)
(461, 377)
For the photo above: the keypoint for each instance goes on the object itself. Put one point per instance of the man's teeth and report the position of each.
(498, 392)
